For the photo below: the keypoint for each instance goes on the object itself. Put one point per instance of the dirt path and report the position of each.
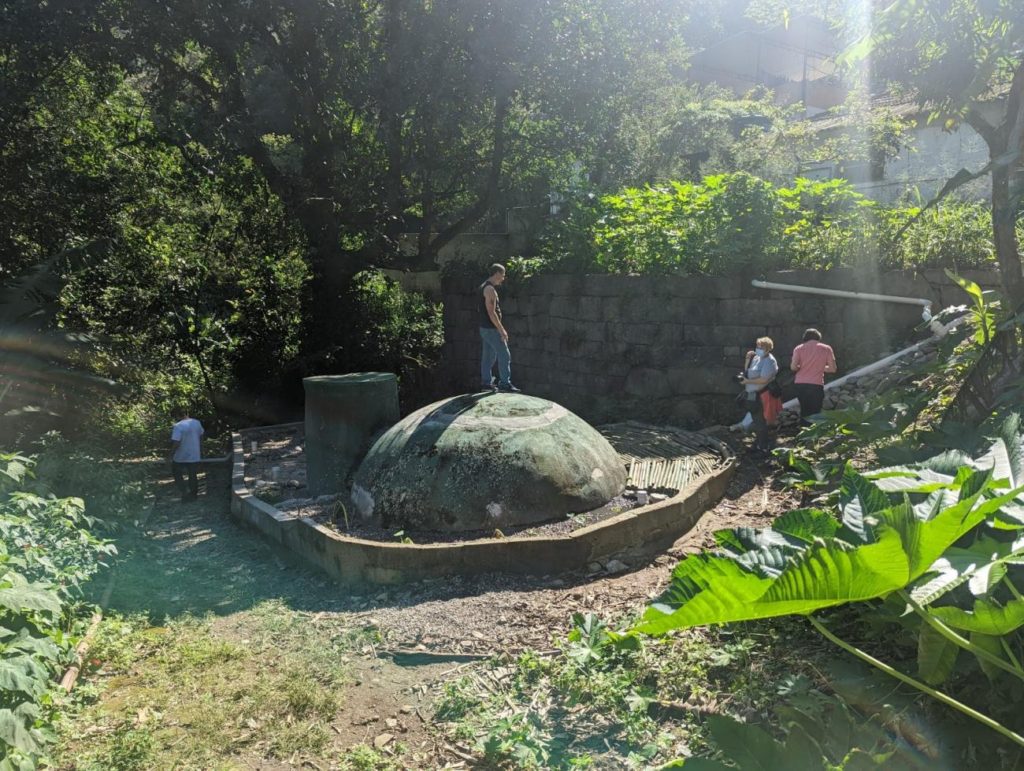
(402, 643)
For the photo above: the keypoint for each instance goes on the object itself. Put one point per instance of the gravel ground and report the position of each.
(494, 613)
(490, 613)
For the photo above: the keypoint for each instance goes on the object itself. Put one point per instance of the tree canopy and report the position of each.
(960, 57)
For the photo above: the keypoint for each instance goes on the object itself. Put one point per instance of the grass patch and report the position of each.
(634, 705)
(199, 692)
(365, 758)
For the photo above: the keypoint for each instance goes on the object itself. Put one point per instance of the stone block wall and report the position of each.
(666, 348)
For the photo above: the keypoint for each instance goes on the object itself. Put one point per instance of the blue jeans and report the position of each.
(494, 349)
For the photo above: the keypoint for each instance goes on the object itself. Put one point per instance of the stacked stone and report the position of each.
(665, 349)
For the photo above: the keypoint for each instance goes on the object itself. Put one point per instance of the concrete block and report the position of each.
(646, 382)
(590, 310)
(564, 307)
(692, 311)
(669, 336)
(603, 285)
(611, 309)
(638, 355)
(569, 344)
(703, 354)
(639, 312)
(596, 332)
(634, 334)
(560, 284)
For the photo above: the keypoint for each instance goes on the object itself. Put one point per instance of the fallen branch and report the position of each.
(67, 682)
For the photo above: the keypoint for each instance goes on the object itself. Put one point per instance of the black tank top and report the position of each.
(485, 318)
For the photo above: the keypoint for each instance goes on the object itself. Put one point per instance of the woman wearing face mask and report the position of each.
(761, 370)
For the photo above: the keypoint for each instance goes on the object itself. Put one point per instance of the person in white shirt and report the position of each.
(186, 455)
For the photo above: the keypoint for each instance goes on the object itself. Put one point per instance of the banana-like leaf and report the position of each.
(947, 462)
(16, 729)
(827, 574)
(936, 656)
(23, 641)
(832, 574)
(768, 562)
(973, 481)
(725, 594)
(907, 479)
(982, 582)
(802, 750)
(775, 577)
(806, 524)
(985, 618)
(925, 541)
(744, 539)
(934, 503)
(859, 498)
(691, 577)
(23, 674)
(1006, 455)
(932, 538)
(763, 551)
(958, 565)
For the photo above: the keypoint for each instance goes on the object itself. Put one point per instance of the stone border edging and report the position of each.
(638, 532)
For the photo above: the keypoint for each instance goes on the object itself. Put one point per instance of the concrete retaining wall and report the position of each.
(665, 348)
(639, 532)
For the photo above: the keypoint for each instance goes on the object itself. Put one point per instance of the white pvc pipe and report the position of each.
(937, 328)
(887, 298)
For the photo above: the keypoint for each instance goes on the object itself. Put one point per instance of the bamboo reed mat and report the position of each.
(662, 458)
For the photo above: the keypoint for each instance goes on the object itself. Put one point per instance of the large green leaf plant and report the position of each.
(47, 552)
(940, 541)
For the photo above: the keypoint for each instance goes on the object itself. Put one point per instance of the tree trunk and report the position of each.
(1005, 205)
(502, 103)
(1004, 216)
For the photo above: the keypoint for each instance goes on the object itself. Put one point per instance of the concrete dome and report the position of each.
(483, 461)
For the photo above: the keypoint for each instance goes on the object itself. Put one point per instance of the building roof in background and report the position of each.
(902, 106)
(797, 60)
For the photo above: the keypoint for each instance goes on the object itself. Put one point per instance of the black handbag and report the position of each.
(775, 389)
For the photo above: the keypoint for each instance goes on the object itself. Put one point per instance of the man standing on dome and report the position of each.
(493, 335)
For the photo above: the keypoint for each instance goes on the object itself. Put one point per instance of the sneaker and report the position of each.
(509, 389)
(489, 387)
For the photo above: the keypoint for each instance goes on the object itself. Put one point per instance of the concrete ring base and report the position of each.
(639, 532)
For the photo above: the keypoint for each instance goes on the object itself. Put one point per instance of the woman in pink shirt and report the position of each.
(811, 360)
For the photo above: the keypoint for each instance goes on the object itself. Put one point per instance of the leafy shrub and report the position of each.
(113, 488)
(140, 417)
(938, 542)
(732, 221)
(397, 331)
(829, 224)
(47, 552)
(725, 222)
(955, 235)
